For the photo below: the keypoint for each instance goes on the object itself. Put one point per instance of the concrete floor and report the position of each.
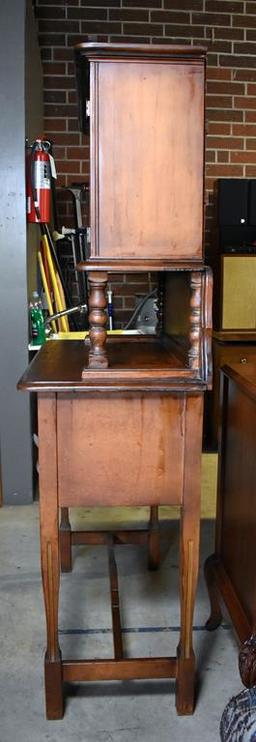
(109, 712)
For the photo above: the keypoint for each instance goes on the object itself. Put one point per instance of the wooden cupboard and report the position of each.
(120, 419)
(230, 571)
(145, 115)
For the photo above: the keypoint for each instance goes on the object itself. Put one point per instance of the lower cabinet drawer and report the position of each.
(235, 354)
(223, 353)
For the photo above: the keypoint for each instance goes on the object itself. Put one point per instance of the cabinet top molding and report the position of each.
(94, 50)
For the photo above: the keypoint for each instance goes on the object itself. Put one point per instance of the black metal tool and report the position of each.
(77, 190)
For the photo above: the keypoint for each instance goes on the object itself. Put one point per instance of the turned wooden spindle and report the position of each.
(97, 320)
(195, 320)
(160, 305)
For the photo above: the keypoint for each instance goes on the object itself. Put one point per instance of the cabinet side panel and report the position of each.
(238, 498)
(121, 451)
(148, 131)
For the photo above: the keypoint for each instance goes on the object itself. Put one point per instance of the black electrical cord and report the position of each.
(139, 307)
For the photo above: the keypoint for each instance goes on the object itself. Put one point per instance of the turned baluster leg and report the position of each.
(97, 320)
(160, 305)
(50, 559)
(194, 353)
(65, 541)
(189, 552)
(154, 539)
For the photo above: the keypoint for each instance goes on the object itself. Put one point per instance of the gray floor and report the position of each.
(113, 712)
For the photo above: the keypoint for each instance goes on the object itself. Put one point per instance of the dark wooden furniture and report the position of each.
(228, 346)
(146, 123)
(230, 571)
(120, 422)
(234, 298)
(234, 255)
(113, 442)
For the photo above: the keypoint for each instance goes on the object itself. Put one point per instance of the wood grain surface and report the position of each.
(147, 145)
(128, 451)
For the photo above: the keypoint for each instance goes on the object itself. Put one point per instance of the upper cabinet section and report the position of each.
(146, 123)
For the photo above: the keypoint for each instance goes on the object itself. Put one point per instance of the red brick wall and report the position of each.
(227, 28)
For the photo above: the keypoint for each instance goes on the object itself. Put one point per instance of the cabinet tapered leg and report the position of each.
(189, 554)
(50, 556)
(65, 541)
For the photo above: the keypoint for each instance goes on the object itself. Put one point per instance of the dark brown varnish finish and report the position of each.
(120, 422)
(149, 453)
(230, 571)
(228, 347)
(146, 149)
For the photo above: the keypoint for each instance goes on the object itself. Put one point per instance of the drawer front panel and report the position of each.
(239, 353)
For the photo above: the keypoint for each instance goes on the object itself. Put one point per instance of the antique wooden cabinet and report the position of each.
(145, 114)
(230, 571)
(229, 346)
(120, 419)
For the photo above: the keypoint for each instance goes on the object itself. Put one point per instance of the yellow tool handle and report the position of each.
(60, 287)
(60, 308)
(46, 289)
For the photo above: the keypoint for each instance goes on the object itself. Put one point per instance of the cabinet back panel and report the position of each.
(147, 160)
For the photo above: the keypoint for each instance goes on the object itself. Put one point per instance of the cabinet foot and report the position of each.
(54, 700)
(215, 617)
(185, 685)
(247, 662)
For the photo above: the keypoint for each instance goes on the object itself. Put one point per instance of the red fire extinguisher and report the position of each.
(38, 181)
